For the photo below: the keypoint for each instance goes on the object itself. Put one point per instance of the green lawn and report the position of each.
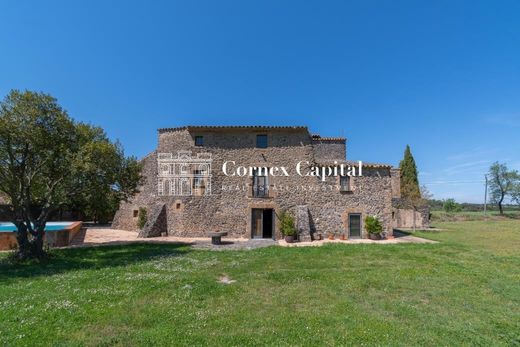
(441, 216)
(462, 291)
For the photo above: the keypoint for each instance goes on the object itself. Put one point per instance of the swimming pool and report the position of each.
(58, 234)
(50, 226)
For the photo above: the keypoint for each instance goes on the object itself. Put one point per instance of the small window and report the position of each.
(199, 141)
(260, 184)
(344, 183)
(261, 141)
(178, 206)
(136, 213)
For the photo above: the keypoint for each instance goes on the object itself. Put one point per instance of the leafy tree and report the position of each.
(409, 180)
(107, 165)
(450, 205)
(502, 182)
(48, 160)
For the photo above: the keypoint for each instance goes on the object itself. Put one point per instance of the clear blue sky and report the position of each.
(442, 76)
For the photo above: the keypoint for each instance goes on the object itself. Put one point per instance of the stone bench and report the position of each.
(216, 237)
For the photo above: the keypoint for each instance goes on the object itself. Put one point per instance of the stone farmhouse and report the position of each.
(230, 178)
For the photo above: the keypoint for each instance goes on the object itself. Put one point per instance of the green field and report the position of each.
(441, 216)
(464, 290)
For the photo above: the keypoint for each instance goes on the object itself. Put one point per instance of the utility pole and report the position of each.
(485, 198)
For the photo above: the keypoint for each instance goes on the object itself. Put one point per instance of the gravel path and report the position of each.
(104, 236)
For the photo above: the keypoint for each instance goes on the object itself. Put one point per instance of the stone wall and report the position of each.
(396, 183)
(329, 149)
(126, 217)
(157, 222)
(403, 218)
(230, 205)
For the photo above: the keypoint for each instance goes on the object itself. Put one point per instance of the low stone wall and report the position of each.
(403, 218)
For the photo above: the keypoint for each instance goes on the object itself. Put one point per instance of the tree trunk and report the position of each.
(23, 242)
(29, 248)
(37, 244)
(500, 204)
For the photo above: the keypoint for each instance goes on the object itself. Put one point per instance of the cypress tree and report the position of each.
(409, 181)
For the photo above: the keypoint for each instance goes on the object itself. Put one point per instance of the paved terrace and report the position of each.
(89, 237)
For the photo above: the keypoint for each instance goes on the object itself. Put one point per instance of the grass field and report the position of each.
(464, 290)
(441, 216)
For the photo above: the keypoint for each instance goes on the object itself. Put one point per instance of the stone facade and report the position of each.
(233, 205)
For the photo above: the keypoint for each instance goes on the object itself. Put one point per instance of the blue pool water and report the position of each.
(6, 227)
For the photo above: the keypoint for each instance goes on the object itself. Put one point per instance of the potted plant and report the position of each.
(374, 227)
(331, 235)
(287, 227)
(342, 236)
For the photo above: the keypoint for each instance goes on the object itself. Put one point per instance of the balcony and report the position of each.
(260, 191)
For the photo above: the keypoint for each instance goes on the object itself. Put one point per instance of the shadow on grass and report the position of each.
(85, 258)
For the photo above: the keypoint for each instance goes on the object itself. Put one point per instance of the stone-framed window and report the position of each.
(261, 141)
(260, 183)
(199, 140)
(199, 183)
(344, 184)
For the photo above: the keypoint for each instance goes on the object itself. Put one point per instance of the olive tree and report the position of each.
(502, 183)
(48, 160)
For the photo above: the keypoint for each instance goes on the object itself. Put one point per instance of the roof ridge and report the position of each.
(300, 127)
(316, 137)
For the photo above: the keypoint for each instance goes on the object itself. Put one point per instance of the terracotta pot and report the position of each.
(289, 238)
(374, 236)
(331, 236)
(342, 237)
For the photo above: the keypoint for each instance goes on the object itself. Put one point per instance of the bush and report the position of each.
(142, 217)
(287, 224)
(450, 205)
(373, 225)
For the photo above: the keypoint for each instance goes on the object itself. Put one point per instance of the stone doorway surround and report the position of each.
(263, 205)
(345, 221)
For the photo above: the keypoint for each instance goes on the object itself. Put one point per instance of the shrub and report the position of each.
(287, 224)
(373, 225)
(450, 205)
(142, 217)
